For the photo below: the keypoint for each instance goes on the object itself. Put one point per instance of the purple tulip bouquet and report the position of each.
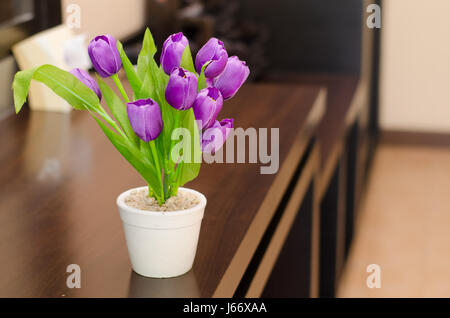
(143, 127)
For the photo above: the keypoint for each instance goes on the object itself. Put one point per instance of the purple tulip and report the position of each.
(232, 78)
(172, 52)
(215, 52)
(207, 106)
(104, 55)
(213, 138)
(87, 80)
(181, 89)
(145, 118)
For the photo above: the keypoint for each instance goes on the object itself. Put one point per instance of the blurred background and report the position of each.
(404, 207)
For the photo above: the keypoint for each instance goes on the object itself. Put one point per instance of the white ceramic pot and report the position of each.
(161, 244)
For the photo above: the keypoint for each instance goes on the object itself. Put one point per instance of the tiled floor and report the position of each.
(404, 226)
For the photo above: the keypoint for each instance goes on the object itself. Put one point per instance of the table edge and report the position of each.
(241, 259)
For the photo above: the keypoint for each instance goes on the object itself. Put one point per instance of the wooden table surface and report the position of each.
(343, 106)
(60, 178)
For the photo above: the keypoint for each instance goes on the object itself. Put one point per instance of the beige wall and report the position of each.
(120, 18)
(415, 71)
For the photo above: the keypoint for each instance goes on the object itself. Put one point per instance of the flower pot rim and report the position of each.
(121, 203)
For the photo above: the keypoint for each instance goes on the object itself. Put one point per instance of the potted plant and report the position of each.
(162, 130)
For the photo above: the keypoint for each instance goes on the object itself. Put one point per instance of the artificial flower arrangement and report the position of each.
(175, 94)
(170, 96)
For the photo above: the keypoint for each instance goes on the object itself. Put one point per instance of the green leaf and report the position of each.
(186, 60)
(148, 71)
(21, 85)
(202, 79)
(147, 89)
(61, 82)
(133, 79)
(148, 44)
(118, 110)
(146, 55)
(168, 114)
(145, 149)
(190, 170)
(134, 157)
(163, 78)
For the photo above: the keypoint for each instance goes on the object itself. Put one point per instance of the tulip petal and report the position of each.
(181, 90)
(104, 55)
(213, 51)
(145, 119)
(235, 74)
(172, 52)
(207, 106)
(87, 80)
(215, 137)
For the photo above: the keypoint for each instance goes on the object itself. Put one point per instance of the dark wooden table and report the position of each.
(60, 177)
(339, 165)
(342, 111)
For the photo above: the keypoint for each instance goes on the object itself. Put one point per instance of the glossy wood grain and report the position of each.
(341, 109)
(58, 184)
(289, 265)
(340, 176)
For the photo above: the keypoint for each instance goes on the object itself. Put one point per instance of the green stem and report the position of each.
(150, 191)
(109, 120)
(119, 85)
(167, 179)
(177, 178)
(155, 157)
(114, 124)
(175, 126)
(166, 186)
